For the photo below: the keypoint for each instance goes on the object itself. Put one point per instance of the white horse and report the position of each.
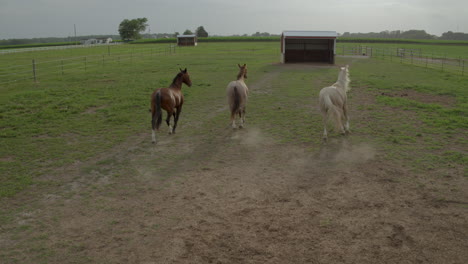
(237, 93)
(332, 102)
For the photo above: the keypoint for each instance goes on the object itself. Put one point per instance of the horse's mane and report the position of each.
(343, 79)
(241, 73)
(177, 77)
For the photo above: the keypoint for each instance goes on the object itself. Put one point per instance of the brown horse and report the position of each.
(170, 99)
(237, 92)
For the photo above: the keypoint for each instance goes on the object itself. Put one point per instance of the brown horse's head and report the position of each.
(242, 71)
(185, 77)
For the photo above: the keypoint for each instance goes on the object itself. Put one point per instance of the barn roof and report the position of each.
(310, 34)
(186, 36)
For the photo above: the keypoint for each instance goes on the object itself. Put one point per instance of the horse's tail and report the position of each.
(331, 110)
(157, 113)
(236, 100)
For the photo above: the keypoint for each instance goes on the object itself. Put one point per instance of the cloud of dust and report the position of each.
(249, 136)
(354, 153)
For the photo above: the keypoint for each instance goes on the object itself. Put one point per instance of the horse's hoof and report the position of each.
(153, 142)
(241, 126)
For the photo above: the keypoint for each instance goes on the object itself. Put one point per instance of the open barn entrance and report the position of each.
(308, 46)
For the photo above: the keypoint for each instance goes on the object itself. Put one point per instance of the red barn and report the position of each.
(308, 46)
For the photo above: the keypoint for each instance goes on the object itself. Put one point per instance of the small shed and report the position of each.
(308, 46)
(186, 40)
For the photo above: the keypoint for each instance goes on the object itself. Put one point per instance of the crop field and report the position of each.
(82, 183)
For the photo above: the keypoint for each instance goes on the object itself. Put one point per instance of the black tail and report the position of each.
(236, 105)
(157, 115)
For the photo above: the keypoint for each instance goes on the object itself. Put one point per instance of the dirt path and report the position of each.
(240, 197)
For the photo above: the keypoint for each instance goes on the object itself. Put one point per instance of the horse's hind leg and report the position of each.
(345, 113)
(233, 119)
(242, 117)
(325, 134)
(168, 121)
(153, 136)
(176, 118)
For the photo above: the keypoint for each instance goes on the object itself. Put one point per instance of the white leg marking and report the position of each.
(233, 124)
(170, 129)
(153, 136)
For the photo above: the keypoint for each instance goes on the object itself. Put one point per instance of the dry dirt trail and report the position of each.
(240, 197)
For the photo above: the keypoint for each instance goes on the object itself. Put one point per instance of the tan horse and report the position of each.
(332, 102)
(170, 99)
(237, 93)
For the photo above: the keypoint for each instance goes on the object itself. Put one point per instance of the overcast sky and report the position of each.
(56, 18)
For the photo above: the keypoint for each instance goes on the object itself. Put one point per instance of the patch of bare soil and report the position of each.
(238, 197)
(443, 100)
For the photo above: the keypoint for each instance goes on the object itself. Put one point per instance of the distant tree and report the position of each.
(188, 32)
(410, 34)
(454, 36)
(176, 34)
(130, 29)
(201, 32)
(416, 34)
(258, 34)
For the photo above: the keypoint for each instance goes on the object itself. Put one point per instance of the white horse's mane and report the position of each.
(343, 79)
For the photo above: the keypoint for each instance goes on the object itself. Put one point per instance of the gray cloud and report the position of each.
(42, 18)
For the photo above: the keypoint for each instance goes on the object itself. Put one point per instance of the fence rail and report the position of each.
(414, 57)
(8, 51)
(39, 70)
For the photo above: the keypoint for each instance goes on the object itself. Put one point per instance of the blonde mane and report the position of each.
(343, 79)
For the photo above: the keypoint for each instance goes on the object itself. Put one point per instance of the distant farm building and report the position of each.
(186, 40)
(96, 41)
(308, 46)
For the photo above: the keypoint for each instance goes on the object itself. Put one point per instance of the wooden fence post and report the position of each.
(61, 64)
(443, 60)
(463, 67)
(34, 70)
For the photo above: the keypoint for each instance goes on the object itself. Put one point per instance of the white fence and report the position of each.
(39, 70)
(9, 51)
(410, 56)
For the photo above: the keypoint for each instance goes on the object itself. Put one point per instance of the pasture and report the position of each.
(82, 183)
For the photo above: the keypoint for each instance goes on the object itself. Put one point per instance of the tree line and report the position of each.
(410, 34)
(132, 29)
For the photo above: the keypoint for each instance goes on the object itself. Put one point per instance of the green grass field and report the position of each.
(71, 117)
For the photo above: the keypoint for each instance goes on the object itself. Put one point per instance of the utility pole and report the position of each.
(74, 26)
